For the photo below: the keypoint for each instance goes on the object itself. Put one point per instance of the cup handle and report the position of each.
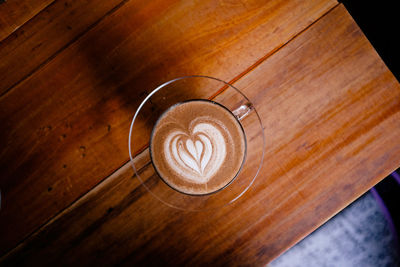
(242, 111)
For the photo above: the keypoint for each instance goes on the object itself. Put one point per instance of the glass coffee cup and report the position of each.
(196, 143)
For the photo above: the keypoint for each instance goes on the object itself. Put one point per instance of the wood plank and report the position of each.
(13, 14)
(67, 125)
(331, 115)
(46, 35)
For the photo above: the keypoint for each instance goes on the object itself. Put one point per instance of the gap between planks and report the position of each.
(27, 21)
(51, 57)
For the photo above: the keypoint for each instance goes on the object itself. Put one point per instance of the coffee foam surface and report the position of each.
(197, 147)
(196, 156)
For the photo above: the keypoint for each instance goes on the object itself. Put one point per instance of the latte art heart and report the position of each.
(197, 155)
(191, 153)
(197, 147)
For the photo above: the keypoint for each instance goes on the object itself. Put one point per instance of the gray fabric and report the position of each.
(357, 236)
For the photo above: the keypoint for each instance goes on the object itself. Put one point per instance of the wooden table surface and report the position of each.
(72, 74)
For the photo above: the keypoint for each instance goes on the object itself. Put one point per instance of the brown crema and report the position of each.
(198, 147)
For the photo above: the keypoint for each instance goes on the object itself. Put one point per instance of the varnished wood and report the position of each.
(331, 115)
(45, 35)
(13, 14)
(67, 123)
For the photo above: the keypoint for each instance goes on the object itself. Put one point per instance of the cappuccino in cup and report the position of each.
(198, 147)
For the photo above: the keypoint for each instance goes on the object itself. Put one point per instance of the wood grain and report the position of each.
(13, 14)
(45, 35)
(67, 124)
(330, 110)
